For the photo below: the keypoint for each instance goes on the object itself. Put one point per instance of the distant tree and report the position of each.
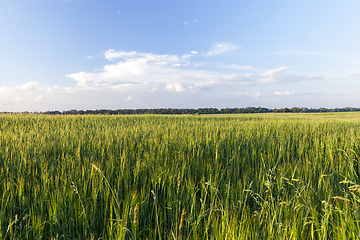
(295, 109)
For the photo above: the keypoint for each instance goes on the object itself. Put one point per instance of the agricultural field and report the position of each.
(251, 176)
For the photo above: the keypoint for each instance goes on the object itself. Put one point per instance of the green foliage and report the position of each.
(177, 111)
(261, 176)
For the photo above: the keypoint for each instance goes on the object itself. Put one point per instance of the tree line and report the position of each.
(170, 111)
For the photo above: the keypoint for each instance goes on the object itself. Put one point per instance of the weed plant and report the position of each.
(273, 176)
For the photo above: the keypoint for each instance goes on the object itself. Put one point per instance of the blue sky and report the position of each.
(77, 54)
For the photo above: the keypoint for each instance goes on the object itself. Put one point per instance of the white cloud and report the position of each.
(185, 23)
(118, 12)
(128, 98)
(287, 93)
(88, 57)
(253, 95)
(221, 47)
(30, 86)
(175, 87)
(196, 20)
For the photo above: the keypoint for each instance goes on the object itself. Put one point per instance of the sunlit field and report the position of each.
(251, 176)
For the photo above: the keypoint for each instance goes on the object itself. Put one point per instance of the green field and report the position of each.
(256, 176)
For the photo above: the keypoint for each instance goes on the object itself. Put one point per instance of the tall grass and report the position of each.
(180, 177)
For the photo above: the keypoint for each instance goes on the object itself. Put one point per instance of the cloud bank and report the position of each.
(135, 79)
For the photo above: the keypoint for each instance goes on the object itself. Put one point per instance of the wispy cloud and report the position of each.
(221, 47)
(163, 59)
(238, 67)
(253, 95)
(292, 52)
(194, 21)
(269, 76)
(256, 78)
(287, 93)
(88, 57)
(348, 63)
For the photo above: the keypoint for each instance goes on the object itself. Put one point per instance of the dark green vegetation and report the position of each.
(173, 111)
(261, 176)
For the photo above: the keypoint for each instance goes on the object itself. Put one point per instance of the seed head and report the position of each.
(182, 219)
(135, 212)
